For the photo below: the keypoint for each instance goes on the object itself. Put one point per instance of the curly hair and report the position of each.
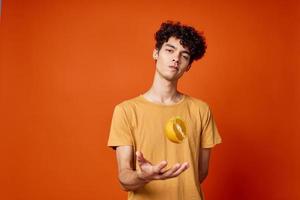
(189, 38)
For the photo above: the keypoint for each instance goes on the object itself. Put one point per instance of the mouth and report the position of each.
(174, 67)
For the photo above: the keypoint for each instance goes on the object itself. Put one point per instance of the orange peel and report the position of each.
(175, 130)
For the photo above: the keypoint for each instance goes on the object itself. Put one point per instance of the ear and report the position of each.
(155, 54)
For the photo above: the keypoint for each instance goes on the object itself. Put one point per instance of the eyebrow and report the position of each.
(169, 45)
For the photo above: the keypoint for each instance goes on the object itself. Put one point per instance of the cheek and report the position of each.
(184, 67)
(163, 60)
(185, 61)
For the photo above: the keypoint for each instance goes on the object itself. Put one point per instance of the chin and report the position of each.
(171, 78)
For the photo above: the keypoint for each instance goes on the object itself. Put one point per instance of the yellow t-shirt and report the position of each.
(141, 123)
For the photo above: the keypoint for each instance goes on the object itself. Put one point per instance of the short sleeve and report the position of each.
(210, 135)
(120, 132)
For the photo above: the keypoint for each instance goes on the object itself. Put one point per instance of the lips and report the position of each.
(174, 67)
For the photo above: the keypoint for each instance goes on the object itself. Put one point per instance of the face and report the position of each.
(172, 60)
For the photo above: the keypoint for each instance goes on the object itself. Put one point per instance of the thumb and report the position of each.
(140, 157)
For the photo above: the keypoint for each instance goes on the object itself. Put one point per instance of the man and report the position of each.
(150, 165)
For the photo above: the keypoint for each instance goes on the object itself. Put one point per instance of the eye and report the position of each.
(169, 50)
(185, 57)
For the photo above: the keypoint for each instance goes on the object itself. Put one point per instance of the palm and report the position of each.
(146, 167)
(156, 172)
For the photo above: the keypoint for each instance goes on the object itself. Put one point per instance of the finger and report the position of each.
(159, 167)
(138, 155)
(166, 174)
(183, 167)
(162, 171)
(140, 158)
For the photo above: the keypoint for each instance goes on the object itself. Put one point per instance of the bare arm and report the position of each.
(131, 179)
(128, 177)
(204, 163)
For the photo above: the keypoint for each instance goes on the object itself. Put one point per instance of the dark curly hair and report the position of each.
(189, 37)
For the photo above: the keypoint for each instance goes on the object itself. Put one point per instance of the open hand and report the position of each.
(149, 172)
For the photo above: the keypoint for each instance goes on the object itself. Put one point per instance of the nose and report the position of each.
(176, 57)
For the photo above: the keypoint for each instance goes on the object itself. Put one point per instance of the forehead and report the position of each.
(175, 42)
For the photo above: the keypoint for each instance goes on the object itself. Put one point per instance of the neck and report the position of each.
(163, 91)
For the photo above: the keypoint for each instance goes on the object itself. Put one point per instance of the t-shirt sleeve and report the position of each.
(210, 135)
(120, 131)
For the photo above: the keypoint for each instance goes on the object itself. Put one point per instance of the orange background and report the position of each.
(65, 64)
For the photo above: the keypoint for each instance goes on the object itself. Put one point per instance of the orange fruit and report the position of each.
(175, 129)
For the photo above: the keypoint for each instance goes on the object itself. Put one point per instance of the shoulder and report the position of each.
(201, 107)
(197, 102)
(129, 103)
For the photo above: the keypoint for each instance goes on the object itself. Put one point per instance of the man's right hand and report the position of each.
(132, 179)
(149, 172)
